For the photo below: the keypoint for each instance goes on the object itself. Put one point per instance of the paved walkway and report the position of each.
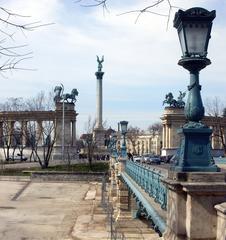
(59, 211)
(40, 211)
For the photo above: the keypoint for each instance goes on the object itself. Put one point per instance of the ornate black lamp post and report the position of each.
(194, 27)
(124, 125)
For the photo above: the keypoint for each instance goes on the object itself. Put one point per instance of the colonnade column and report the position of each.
(11, 132)
(169, 136)
(1, 134)
(73, 142)
(24, 133)
(163, 136)
(166, 136)
(39, 132)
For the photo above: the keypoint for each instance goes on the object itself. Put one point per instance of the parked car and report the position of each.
(154, 160)
(17, 157)
(146, 157)
(137, 158)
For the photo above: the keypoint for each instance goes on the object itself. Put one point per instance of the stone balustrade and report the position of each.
(194, 202)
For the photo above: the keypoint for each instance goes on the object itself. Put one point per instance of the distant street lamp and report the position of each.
(194, 27)
(123, 125)
(112, 144)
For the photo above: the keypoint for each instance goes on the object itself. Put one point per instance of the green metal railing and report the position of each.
(148, 179)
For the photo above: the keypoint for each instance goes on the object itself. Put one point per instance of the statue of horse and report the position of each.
(170, 100)
(59, 96)
(70, 98)
(74, 94)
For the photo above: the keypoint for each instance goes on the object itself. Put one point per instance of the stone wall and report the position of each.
(66, 176)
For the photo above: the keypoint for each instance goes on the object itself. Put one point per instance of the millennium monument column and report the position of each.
(99, 104)
(99, 132)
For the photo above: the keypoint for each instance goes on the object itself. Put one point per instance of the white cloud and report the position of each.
(140, 59)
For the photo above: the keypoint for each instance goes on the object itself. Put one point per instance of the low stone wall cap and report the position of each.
(221, 208)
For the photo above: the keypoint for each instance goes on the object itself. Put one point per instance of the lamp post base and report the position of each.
(195, 151)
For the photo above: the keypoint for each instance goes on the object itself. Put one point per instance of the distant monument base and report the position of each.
(69, 152)
(99, 135)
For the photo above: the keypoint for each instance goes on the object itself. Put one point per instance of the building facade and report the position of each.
(145, 144)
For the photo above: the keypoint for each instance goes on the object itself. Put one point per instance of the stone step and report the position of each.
(15, 178)
(136, 230)
(132, 223)
(138, 236)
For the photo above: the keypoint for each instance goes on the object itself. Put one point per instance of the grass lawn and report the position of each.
(79, 167)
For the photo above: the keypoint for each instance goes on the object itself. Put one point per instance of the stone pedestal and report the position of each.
(195, 151)
(99, 136)
(191, 201)
(67, 136)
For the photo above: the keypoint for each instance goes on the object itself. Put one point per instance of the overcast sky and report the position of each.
(140, 59)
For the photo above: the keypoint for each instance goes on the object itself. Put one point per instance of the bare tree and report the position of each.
(155, 128)
(151, 8)
(7, 137)
(42, 139)
(41, 102)
(12, 133)
(41, 136)
(132, 136)
(13, 104)
(89, 140)
(216, 108)
(12, 55)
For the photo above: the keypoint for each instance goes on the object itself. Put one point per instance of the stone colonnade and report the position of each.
(20, 121)
(174, 118)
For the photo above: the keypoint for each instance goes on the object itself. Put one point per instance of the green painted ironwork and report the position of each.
(150, 180)
(145, 208)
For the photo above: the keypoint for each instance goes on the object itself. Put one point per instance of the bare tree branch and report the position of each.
(12, 55)
(147, 9)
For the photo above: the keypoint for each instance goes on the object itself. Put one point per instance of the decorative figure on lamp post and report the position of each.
(123, 145)
(194, 27)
